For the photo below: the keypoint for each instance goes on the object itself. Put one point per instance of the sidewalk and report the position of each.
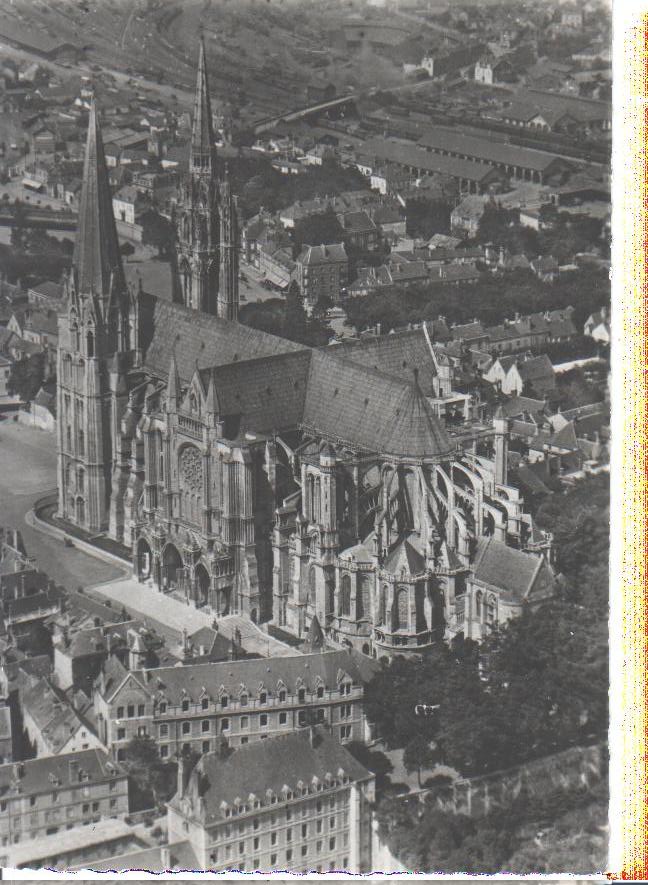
(146, 601)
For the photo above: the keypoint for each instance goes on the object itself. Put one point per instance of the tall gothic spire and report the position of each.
(202, 135)
(228, 287)
(97, 261)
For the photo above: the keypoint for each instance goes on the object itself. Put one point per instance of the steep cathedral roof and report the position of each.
(265, 383)
(397, 354)
(96, 251)
(516, 572)
(201, 338)
(370, 410)
(202, 134)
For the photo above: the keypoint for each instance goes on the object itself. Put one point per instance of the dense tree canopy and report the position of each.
(536, 686)
(563, 237)
(157, 231)
(492, 300)
(258, 184)
(287, 318)
(152, 781)
(27, 376)
(571, 826)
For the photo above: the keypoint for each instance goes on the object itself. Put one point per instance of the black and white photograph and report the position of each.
(305, 436)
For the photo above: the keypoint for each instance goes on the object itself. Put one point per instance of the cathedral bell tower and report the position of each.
(228, 290)
(95, 340)
(198, 216)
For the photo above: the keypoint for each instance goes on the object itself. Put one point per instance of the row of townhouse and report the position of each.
(42, 797)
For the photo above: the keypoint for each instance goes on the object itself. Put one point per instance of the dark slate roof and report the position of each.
(55, 718)
(36, 772)
(518, 405)
(368, 410)
(514, 571)
(538, 367)
(565, 438)
(263, 394)
(397, 354)
(78, 604)
(173, 682)
(356, 222)
(530, 480)
(480, 148)
(269, 765)
(49, 289)
(325, 254)
(407, 154)
(97, 640)
(96, 251)
(314, 638)
(466, 331)
(199, 338)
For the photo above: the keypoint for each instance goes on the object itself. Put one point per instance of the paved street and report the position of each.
(27, 472)
(146, 601)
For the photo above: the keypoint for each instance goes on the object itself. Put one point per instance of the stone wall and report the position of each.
(573, 768)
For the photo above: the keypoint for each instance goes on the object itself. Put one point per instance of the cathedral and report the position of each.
(348, 489)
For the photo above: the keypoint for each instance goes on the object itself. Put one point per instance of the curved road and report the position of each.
(28, 472)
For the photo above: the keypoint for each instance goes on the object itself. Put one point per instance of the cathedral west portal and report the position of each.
(256, 476)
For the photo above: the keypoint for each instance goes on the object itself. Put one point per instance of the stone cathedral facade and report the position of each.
(256, 476)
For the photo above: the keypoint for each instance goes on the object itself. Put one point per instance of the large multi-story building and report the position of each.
(40, 797)
(199, 706)
(258, 476)
(299, 803)
(321, 272)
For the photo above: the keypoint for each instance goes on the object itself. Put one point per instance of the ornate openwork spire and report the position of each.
(97, 264)
(202, 135)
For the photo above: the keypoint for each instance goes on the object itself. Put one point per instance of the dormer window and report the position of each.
(224, 700)
(301, 695)
(282, 696)
(243, 700)
(204, 703)
(163, 707)
(185, 705)
(320, 691)
(263, 698)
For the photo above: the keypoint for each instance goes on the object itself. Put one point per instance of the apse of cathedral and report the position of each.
(350, 488)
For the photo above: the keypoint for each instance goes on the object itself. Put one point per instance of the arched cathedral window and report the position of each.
(312, 583)
(401, 610)
(345, 596)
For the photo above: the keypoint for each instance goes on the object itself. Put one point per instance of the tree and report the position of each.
(317, 229)
(375, 760)
(418, 754)
(153, 779)
(19, 229)
(324, 304)
(27, 376)
(157, 231)
(287, 318)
